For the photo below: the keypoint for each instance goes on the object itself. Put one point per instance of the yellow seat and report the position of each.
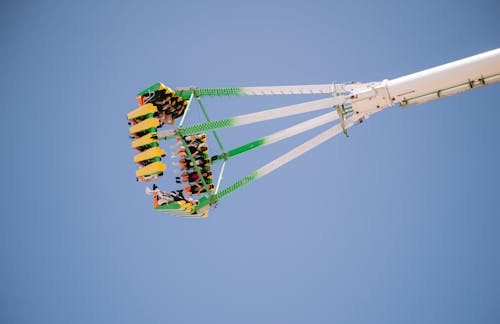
(142, 111)
(150, 169)
(182, 204)
(148, 139)
(189, 207)
(154, 152)
(144, 125)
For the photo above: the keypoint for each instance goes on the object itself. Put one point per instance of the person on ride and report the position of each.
(165, 118)
(149, 178)
(194, 177)
(179, 109)
(192, 139)
(197, 189)
(195, 150)
(186, 164)
(164, 197)
(159, 98)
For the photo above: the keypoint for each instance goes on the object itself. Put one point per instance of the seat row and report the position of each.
(197, 156)
(158, 105)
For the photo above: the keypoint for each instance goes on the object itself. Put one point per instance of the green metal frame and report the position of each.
(218, 142)
(211, 198)
(241, 149)
(180, 132)
(185, 93)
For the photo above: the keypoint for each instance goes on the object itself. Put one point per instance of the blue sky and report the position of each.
(396, 224)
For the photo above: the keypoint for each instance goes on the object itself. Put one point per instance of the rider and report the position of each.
(149, 178)
(195, 150)
(187, 164)
(197, 189)
(191, 139)
(164, 197)
(194, 177)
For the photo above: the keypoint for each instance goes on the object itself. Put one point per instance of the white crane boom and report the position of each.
(431, 84)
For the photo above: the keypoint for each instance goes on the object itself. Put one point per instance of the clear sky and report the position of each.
(397, 224)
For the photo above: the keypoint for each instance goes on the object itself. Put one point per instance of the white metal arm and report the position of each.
(430, 84)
